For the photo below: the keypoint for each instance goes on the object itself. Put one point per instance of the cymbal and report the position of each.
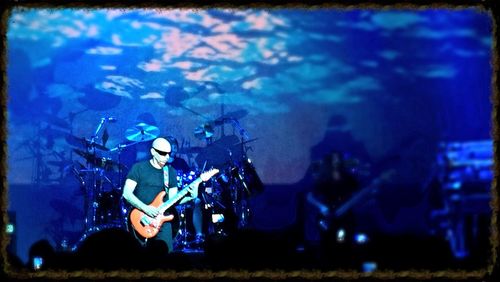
(90, 158)
(142, 132)
(204, 131)
(230, 116)
(99, 161)
(83, 143)
(85, 155)
(220, 152)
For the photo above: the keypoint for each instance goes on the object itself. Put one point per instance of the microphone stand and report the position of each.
(97, 180)
(99, 127)
(120, 148)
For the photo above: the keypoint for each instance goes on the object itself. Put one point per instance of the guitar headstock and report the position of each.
(205, 176)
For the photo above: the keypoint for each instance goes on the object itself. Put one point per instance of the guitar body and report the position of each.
(151, 230)
(331, 222)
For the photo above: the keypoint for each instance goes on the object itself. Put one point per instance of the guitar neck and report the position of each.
(170, 202)
(351, 202)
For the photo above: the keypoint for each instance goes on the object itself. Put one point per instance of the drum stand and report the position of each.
(183, 234)
(216, 218)
(240, 193)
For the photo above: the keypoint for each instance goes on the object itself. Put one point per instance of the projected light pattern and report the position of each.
(271, 63)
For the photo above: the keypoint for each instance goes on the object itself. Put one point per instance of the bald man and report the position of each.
(146, 180)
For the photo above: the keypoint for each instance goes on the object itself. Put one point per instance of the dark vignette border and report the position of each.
(489, 272)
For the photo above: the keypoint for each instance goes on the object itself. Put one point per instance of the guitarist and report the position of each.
(334, 184)
(146, 180)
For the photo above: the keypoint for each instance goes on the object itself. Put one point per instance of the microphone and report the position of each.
(110, 119)
(99, 127)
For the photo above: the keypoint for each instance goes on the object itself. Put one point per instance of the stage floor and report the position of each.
(255, 250)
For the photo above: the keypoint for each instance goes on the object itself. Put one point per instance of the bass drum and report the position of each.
(110, 209)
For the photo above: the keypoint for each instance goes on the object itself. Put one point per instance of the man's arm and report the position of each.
(193, 193)
(128, 195)
(324, 210)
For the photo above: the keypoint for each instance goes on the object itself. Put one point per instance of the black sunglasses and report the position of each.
(161, 153)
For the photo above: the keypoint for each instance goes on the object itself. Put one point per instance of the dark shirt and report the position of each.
(334, 192)
(180, 165)
(150, 180)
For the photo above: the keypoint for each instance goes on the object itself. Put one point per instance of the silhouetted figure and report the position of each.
(334, 185)
(41, 255)
(111, 248)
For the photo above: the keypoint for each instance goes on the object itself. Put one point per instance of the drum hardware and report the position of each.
(48, 128)
(84, 143)
(183, 233)
(101, 125)
(213, 197)
(181, 239)
(120, 147)
(210, 201)
(103, 206)
(71, 118)
(40, 148)
(217, 211)
(78, 174)
(235, 115)
(61, 165)
(219, 152)
(243, 184)
(204, 131)
(230, 153)
(97, 161)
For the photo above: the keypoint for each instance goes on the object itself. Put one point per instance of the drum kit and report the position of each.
(225, 197)
(102, 175)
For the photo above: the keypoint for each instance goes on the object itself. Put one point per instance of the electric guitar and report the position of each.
(152, 229)
(325, 221)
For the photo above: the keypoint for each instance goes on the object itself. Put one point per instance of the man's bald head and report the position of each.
(160, 150)
(162, 144)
